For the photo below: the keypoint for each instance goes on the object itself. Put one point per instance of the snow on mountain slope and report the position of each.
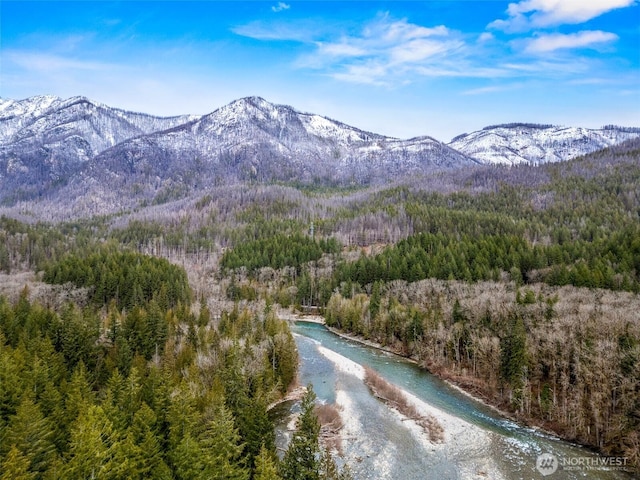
(252, 139)
(528, 143)
(33, 106)
(45, 139)
(14, 114)
(77, 148)
(44, 117)
(281, 121)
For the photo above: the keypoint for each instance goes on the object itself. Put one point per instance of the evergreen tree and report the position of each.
(302, 458)
(329, 469)
(92, 446)
(255, 426)
(188, 459)
(16, 466)
(513, 358)
(266, 466)
(221, 448)
(11, 384)
(139, 455)
(204, 317)
(185, 452)
(5, 259)
(374, 302)
(32, 434)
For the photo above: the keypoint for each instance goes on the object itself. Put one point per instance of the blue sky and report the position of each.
(404, 69)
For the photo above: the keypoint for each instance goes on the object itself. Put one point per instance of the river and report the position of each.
(378, 443)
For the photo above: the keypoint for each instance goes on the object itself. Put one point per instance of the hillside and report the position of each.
(522, 143)
(85, 158)
(520, 284)
(45, 140)
(76, 148)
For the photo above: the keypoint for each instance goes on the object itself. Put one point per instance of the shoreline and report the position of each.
(447, 379)
(541, 433)
(448, 438)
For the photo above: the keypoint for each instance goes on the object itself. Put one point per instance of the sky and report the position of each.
(398, 68)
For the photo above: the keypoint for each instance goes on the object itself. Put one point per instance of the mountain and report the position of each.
(45, 139)
(254, 140)
(77, 147)
(99, 159)
(518, 143)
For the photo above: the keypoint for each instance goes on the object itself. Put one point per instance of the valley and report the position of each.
(145, 263)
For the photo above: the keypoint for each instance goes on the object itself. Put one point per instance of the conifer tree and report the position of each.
(15, 466)
(93, 445)
(32, 434)
(374, 302)
(266, 468)
(302, 458)
(139, 454)
(255, 426)
(11, 385)
(221, 447)
(329, 469)
(188, 461)
(513, 354)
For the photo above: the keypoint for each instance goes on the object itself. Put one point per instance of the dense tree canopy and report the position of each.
(90, 394)
(129, 278)
(278, 252)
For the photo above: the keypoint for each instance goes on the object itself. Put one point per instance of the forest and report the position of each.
(564, 358)
(156, 330)
(142, 385)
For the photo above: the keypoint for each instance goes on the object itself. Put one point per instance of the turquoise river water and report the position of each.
(378, 443)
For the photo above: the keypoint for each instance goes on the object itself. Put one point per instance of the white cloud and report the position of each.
(392, 40)
(486, 37)
(590, 81)
(528, 14)
(447, 69)
(557, 41)
(280, 7)
(392, 31)
(490, 89)
(421, 49)
(340, 49)
(47, 62)
(276, 31)
(392, 52)
(370, 73)
(394, 48)
(381, 49)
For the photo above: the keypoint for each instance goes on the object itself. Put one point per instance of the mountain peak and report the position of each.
(531, 143)
(48, 144)
(250, 104)
(247, 109)
(31, 106)
(79, 99)
(253, 100)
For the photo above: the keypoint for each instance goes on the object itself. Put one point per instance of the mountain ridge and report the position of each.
(529, 143)
(73, 148)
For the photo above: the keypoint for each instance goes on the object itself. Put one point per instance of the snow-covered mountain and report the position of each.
(253, 140)
(76, 148)
(45, 139)
(48, 119)
(518, 143)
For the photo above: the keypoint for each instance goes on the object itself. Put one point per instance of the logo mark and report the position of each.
(546, 464)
